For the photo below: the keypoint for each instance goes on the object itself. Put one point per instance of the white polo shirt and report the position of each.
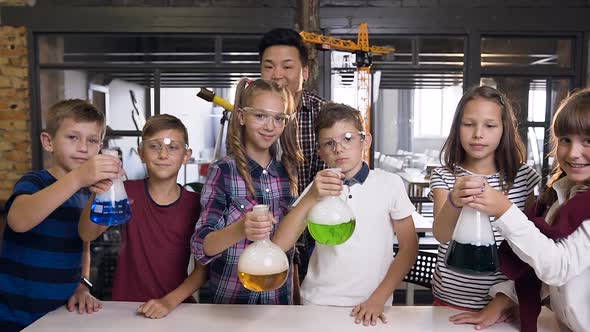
(347, 274)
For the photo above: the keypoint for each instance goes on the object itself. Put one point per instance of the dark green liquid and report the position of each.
(472, 259)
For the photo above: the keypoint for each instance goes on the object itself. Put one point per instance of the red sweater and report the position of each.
(569, 217)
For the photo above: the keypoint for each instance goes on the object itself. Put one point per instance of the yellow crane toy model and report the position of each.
(364, 60)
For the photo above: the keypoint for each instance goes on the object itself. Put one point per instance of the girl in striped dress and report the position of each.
(483, 149)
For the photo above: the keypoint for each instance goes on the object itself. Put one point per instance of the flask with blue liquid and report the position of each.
(111, 207)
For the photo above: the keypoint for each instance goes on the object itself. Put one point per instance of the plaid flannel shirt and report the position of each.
(224, 201)
(308, 111)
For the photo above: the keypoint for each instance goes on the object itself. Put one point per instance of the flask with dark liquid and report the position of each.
(472, 249)
(263, 266)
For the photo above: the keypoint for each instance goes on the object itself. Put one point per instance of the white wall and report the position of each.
(385, 122)
(75, 84)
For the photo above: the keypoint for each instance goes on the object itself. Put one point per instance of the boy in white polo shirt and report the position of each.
(361, 272)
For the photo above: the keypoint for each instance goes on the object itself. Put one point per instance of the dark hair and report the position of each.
(161, 122)
(572, 118)
(76, 109)
(510, 153)
(330, 113)
(284, 37)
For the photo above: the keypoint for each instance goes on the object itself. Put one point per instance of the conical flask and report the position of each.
(263, 266)
(111, 207)
(472, 249)
(331, 221)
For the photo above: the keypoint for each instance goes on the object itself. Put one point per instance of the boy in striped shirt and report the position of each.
(43, 261)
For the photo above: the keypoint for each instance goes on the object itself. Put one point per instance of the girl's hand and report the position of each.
(326, 183)
(465, 189)
(491, 201)
(368, 312)
(497, 311)
(258, 226)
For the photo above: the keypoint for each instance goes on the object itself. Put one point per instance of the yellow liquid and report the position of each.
(261, 283)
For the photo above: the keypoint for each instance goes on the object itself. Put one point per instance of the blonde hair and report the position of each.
(76, 109)
(291, 156)
(572, 118)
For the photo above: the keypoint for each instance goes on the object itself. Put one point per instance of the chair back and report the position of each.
(423, 269)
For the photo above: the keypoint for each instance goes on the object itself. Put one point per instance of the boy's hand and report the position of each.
(326, 183)
(258, 226)
(101, 186)
(491, 201)
(466, 188)
(84, 300)
(368, 312)
(155, 308)
(98, 168)
(496, 311)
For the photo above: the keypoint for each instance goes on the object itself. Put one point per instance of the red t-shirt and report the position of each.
(155, 245)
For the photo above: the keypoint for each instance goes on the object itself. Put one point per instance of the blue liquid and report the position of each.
(106, 214)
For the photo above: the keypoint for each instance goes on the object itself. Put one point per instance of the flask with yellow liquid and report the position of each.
(263, 266)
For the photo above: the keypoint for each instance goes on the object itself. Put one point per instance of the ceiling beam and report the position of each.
(148, 19)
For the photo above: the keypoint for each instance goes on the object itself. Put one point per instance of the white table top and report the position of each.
(121, 316)
(414, 178)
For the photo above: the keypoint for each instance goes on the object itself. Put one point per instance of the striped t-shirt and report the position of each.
(465, 290)
(41, 268)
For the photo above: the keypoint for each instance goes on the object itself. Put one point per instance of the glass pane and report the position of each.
(537, 101)
(517, 89)
(535, 154)
(538, 98)
(427, 112)
(56, 85)
(132, 164)
(530, 99)
(240, 49)
(196, 114)
(559, 91)
(125, 48)
(434, 110)
(522, 51)
(402, 53)
(110, 92)
(441, 51)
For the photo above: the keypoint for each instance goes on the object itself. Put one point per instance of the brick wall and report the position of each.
(15, 141)
(16, 2)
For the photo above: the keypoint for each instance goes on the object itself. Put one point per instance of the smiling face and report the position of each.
(481, 130)
(573, 156)
(282, 64)
(164, 153)
(261, 126)
(72, 145)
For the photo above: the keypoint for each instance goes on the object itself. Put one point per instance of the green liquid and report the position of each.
(331, 235)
